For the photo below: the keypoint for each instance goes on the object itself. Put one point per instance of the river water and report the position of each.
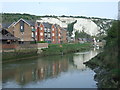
(67, 71)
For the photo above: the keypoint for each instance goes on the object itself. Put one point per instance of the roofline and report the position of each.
(22, 20)
(11, 24)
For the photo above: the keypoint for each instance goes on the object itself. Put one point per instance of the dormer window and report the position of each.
(22, 26)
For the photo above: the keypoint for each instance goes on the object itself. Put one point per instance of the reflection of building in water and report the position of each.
(80, 58)
(41, 70)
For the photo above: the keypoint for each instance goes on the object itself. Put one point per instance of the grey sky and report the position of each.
(95, 9)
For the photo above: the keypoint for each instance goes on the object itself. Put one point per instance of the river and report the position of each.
(67, 71)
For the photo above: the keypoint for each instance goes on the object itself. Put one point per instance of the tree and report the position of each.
(70, 27)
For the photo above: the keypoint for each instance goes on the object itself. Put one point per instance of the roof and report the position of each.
(5, 35)
(29, 22)
(23, 21)
(32, 23)
(47, 25)
(6, 25)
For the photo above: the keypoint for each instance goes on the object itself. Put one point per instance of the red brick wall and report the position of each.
(59, 35)
(40, 37)
(9, 46)
(53, 32)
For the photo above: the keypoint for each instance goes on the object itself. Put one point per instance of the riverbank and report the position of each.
(53, 49)
(106, 64)
(61, 49)
(107, 71)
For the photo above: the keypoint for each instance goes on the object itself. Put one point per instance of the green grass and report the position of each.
(18, 54)
(55, 49)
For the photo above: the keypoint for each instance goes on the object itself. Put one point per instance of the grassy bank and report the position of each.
(58, 49)
(18, 54)
(54, 49)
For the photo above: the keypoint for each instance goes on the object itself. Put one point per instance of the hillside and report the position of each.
(91, 25)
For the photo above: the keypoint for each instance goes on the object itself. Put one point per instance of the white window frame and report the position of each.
(21, 27)
(53, 34)
(32, 34)
(41, 34)
(41, 39)
(52, 29)
(48, 35)
(59, 34)
(36, 33)
(41, 28)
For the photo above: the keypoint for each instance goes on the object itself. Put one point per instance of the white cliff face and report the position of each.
(87, 25)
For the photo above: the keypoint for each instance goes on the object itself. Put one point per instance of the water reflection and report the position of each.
(22, 73)
(81, 57)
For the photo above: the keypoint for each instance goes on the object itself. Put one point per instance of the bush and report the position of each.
(41, 41)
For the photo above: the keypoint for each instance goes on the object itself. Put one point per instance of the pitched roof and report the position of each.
(47, 25)
(29, 22)
(32, 23)
(5, 35)
(23, 21)
(6, 25)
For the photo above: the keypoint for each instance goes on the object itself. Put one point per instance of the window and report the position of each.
(41, 28)
(53, 39)
(48, 30)
(52, 29)
(32, 34)
(45, 30)
(45, 34)
(53, 34)
(21, 27)
(49, 35)
(36, 33)
(41, 34)
(59, 34)
(41, 39)
(32, 27)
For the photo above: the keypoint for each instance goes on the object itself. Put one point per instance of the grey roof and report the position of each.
(32, 23)
(6, 25)
(5, 35)
(47, 25)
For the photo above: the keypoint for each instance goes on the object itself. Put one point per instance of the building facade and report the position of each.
(51, 33)
(23, 30)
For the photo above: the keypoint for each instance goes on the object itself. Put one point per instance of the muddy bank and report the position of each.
(107, 72)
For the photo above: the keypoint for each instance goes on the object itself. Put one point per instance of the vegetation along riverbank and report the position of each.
(60, 49)
(106, 64)
(53, 49)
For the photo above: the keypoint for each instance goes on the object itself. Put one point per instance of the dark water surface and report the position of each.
(66, 71)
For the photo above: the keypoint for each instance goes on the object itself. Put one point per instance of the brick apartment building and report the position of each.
(28, 31)
(50, 33)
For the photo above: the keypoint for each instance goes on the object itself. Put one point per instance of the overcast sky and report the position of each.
(94, 9)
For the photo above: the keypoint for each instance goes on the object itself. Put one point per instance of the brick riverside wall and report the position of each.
(9, 46)
(42, 45)
(24, 46)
